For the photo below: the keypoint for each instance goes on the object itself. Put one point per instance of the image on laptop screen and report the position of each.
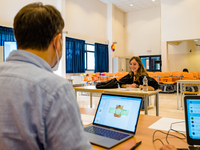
(8, 48)
(192, 114)
(118, 112)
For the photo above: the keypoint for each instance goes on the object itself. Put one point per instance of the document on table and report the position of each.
(87, 119)
(129, 89)
(165, 124)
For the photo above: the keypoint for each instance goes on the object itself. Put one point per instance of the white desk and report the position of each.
(181, 82)
(144, 95)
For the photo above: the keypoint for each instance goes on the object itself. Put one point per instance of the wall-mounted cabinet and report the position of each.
(120, 64)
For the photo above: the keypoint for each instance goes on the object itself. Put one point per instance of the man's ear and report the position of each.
(57, 41)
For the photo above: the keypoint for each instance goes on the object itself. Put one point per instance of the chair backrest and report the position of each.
(97, 73)
(95, 78)
(164, 77)
(124, 73)
(169, 73)
(158, 73)
(176, 74)
(188, 76)
(118, 74)
(151, 74)
(195, 75)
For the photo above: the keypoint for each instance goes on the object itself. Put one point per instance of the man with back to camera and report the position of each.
(38, 109)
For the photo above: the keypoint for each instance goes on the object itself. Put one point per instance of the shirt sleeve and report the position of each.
(126, 80)
(64, 128)
(152, 82)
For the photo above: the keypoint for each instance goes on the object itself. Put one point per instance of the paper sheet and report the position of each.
(165, 123)
(129, 89)
(87, 119)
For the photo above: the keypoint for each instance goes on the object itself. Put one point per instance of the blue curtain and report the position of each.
(6, 34)
(101, 58)
(75, 55)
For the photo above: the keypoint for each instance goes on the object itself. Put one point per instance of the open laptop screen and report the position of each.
(192, 117)
(118, 111)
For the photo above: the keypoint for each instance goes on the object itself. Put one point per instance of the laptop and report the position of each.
(115, 120)
(192, 120)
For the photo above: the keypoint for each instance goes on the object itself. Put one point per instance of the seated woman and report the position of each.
(135, 78)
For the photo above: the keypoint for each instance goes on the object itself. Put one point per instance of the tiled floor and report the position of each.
(167, 105)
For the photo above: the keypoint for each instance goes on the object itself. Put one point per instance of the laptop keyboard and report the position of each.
(106, 133)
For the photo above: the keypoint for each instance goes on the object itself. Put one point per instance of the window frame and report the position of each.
(86, 56)
(150, 56)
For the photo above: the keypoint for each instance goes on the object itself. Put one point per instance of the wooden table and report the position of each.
(144, 95)
(143, 133)
(71, 81)
(181, 82)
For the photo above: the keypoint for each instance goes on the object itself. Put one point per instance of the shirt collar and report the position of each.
(27, 57)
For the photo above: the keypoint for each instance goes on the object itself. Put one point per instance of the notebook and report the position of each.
(115, 120)
(192, 120)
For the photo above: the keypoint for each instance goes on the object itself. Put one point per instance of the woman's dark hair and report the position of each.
(141, 71)
(35, 26)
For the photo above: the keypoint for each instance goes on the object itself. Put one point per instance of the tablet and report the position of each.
(192, 119)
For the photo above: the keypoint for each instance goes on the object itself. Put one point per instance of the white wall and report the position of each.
(188, 54)
(87, 20)
(143, 32)
(119, 33)
(8, 9)
(180, 20)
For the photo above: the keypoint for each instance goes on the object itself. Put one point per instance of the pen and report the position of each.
(136, 145)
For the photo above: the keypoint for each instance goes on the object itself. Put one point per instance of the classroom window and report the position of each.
(89, 57)
(151, 62)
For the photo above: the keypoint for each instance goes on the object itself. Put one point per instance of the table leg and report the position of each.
(90, 99)
(157, 104)
(181, 91)
(146, 105)
(199, 89)
(76, 94)
(177, 96)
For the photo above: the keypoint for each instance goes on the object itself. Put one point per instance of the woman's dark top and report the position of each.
(129, 80)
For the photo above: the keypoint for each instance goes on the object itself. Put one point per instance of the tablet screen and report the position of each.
(192, 113)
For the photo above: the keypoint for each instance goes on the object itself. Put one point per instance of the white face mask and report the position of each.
(55, 68)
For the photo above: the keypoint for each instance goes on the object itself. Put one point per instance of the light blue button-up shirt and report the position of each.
(38, 109)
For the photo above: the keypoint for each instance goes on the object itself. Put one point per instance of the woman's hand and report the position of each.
(131, 85)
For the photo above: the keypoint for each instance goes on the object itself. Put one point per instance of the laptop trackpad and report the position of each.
(101, 141)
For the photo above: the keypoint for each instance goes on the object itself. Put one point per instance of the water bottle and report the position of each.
(118, 85)
(145, 84)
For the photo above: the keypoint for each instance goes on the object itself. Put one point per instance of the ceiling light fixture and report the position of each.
(131, 4)
(153, 0)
